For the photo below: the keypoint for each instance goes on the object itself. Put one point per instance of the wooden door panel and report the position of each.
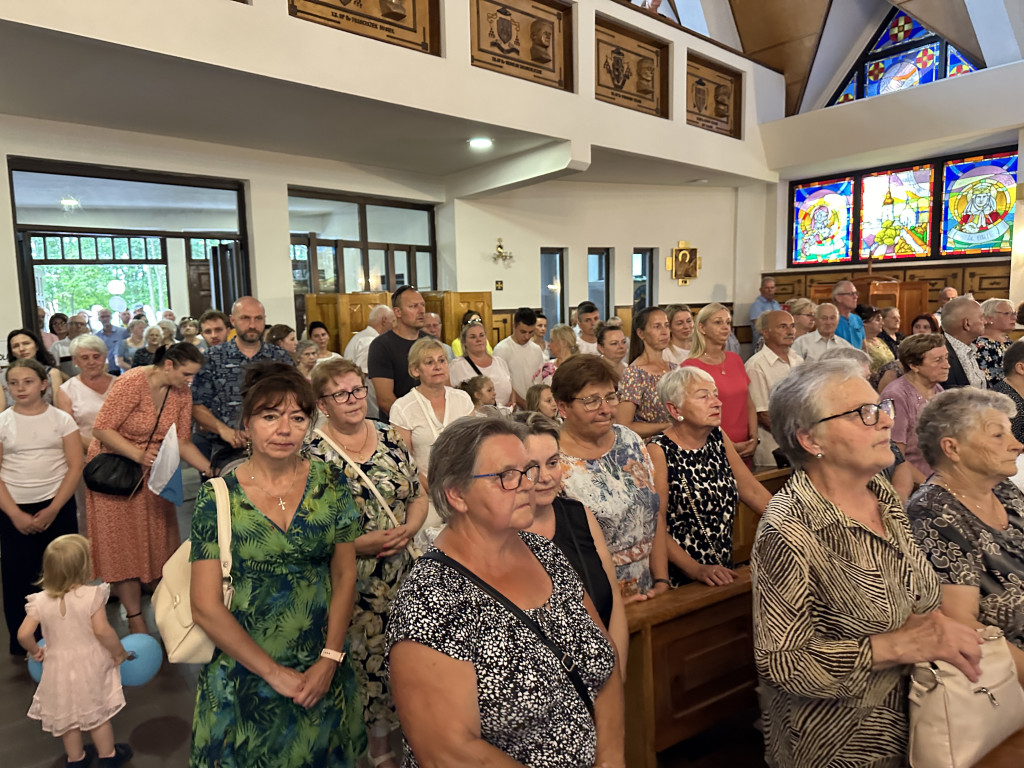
(938, 277)
(987, 281)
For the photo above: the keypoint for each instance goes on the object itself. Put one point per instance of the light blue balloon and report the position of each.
(148, 656)
(35, 668)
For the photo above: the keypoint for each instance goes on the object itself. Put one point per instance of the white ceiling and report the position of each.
(152, 93)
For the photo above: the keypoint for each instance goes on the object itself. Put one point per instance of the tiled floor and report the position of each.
(157, 720)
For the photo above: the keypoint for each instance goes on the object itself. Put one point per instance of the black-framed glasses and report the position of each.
(511, 479)
(593, 402)
(868, 412)
(342, 397)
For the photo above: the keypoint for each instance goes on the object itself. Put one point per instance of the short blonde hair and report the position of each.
(563, 334)
(66, 564)
(419, 349)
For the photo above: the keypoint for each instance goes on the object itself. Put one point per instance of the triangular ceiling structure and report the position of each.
(784, 34)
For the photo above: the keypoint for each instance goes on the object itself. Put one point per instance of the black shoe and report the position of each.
(122, 754)
(85, 762)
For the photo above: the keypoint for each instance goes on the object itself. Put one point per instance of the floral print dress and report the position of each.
(393, 470)
(282, 586)
(619, 489)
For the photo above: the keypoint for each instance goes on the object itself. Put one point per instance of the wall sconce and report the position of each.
(501, 254)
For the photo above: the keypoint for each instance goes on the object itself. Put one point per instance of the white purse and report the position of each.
(184, 640)
(954, 723)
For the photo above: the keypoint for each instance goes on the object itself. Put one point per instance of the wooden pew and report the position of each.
(691, 653)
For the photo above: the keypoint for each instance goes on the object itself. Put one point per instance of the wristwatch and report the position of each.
(327, 653)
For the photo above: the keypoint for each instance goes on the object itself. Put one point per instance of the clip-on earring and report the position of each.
(818, 455)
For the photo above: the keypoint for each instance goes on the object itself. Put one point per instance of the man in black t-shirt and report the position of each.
(388, 361)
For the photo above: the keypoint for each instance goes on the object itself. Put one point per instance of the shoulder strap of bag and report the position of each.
(220, 490)
(159, 414)
(410, 547)
(359, 470)
(566, 661)
(466, 358)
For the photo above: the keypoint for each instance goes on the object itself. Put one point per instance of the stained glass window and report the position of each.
(904, 70)
(956, 64)
(896, 214)
(823, 222)
(901, 29)
(978, 195)
(849, 93)
(903, 55)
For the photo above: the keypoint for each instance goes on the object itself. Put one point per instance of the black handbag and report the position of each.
(117, 475)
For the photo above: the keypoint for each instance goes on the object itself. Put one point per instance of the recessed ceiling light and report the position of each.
(697, 181)
(481, 142)
(68, 203)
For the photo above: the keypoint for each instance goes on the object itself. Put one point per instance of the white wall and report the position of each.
(578, 216)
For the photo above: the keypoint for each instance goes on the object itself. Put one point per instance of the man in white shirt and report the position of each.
(523, 357)
(587, 316)
(962, 323)
(380, 320)
(61, 350)
(767, 368)
(813, 345)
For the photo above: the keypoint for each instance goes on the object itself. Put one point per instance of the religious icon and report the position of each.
(684, 263)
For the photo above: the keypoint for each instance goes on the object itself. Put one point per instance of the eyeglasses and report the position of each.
(869, 413)
(593, 402)
(847, 293)
(342, 397)
(511, 479)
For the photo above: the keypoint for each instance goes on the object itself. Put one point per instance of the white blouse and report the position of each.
(414, 413)
(460, 370)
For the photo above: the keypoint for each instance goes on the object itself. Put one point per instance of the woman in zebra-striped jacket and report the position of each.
(843, 598)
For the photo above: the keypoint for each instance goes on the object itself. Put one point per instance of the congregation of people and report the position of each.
(434, 543)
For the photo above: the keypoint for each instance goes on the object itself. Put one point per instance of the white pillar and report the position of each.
(269, 241)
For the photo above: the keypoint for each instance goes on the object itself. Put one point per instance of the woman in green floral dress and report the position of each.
(278, 691)
(377, 455)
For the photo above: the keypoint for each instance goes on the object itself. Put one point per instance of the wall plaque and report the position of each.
(408, 23)
(632, 69)
(713, 96)
(530, 39)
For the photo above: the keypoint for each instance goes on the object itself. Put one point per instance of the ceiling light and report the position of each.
(68, 203)
(698, 181)
(481, 143)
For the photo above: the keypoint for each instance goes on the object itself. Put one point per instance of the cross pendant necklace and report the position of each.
(280, 499)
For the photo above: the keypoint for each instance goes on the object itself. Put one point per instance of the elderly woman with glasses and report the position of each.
(844, 600)
(968, 517)
(700, 478)
(382, 477)
(474, 677)
(606, 467)
(1000, 318)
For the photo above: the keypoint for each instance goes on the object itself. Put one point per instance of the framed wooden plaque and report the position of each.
(408, 23)
(714, 96)
(632, 69)
(529, 39)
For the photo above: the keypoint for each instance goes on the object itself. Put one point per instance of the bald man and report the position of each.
(962, 323)
(217, 388)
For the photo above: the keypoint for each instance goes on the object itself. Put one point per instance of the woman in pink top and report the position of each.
(739, 419)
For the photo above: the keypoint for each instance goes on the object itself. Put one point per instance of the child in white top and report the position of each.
(40, 465)
(80, 688)
(481, 389)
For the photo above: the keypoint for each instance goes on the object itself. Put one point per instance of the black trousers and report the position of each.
(21, 561)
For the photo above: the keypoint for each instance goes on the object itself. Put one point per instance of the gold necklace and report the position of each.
(350, 449)
(280, 499)
(962, 498)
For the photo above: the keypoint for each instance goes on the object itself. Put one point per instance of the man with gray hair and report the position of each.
(357, 350)
(851, 327)
(811, 346)
(767, 368)
(765, 302)
(962, 323)
(61, 350)
(432, 327)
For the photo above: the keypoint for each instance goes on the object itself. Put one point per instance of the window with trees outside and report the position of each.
(903, 54)
(948, 207)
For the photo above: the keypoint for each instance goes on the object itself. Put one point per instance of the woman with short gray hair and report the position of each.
(968, 517)
(700, 478)
(1000, 318)
(455, 644)
(843, 599)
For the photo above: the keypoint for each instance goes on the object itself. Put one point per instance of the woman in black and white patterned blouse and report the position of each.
(843, 598)
(968, 517)
(471, 683)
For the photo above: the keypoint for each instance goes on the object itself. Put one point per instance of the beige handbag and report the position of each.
(184, 640)
(954, 723)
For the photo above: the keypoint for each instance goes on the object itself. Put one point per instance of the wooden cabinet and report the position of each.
(343, 313)
(987, 281)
